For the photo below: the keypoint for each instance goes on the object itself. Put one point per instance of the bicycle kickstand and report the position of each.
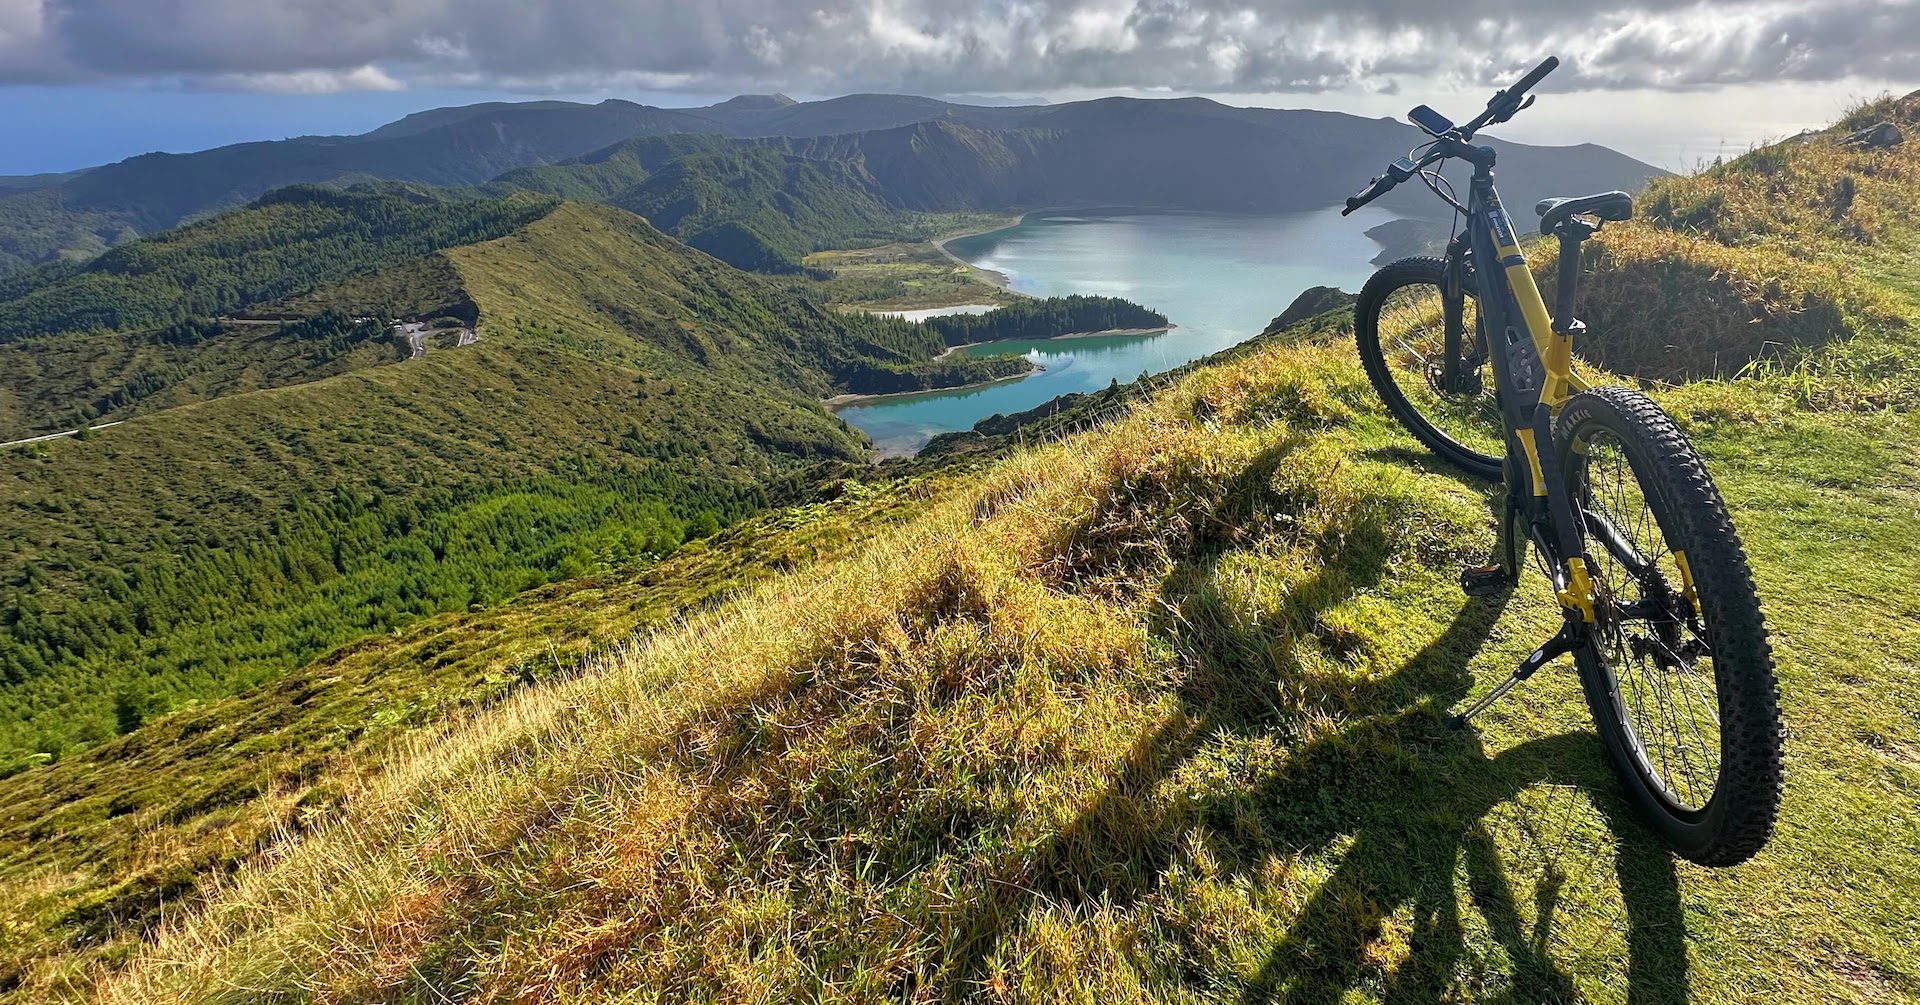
(1563, 642)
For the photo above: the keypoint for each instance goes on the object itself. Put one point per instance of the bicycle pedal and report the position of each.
(1485, 580)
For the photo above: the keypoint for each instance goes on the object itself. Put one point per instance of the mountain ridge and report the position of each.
(92, 210)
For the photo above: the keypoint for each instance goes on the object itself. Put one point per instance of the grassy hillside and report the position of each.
(169, 810)
(284, 244)
(1155, 714)
(592, 278)
(627, 394)
(1151, 713)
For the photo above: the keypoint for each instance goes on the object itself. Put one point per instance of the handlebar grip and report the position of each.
(1535, 76)
(1374, 190)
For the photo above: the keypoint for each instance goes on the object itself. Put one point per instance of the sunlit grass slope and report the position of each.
(102, 846)
(1791, 258)
(1151, 714)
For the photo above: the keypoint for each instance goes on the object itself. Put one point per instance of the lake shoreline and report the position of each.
(992, 277)
(1109, 333)
(840, 401)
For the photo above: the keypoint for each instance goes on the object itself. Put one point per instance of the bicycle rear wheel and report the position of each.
(1678, 670)
(1400, 326)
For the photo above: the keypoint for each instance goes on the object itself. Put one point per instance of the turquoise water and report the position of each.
(1219, 278)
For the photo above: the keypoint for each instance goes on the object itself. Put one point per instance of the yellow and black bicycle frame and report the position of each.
(1532, 359)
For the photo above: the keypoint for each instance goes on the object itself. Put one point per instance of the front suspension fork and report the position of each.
(1573, 586)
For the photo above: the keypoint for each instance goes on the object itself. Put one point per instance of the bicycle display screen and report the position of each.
(1430, 121)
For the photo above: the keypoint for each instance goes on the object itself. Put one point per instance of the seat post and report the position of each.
(1572, 234)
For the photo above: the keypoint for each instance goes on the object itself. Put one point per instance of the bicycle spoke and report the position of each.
(1413, 338)
(1662, 670)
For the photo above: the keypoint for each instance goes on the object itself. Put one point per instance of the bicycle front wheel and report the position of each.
(1437, 383)
(1678, 670)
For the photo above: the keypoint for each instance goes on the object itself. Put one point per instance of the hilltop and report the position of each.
(1150, 712)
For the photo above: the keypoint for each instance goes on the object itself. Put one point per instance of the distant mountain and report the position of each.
(764, 203)
(1187, 153)
(111, 205)
(33, 182)
(994, 100)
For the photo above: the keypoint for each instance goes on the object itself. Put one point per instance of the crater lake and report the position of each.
(1220, 279)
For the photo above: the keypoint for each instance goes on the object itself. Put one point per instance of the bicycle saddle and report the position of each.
(1605, 205)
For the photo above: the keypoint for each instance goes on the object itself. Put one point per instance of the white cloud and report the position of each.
(362, 78)
(1221, 46)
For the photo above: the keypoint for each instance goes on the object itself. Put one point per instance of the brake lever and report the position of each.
(1515, 110)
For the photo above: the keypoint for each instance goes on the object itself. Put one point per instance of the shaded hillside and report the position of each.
(750, 206)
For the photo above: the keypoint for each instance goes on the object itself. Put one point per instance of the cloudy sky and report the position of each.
(83, 81)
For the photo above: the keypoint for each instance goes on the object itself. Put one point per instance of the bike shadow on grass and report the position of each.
(1407, 797)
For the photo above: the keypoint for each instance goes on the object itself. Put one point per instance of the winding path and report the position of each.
(55, 436)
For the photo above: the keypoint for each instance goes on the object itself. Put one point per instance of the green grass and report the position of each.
(900, 277)
(95, 844)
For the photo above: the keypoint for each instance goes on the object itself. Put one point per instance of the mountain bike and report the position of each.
(1659, 608)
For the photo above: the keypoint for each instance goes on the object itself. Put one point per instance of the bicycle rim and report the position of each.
(1412, 341)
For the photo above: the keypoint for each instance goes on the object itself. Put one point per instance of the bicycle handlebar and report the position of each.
(1503, 104)
(1536, 75)
(1501, 107)
(1375, 189)
(1397, 172)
